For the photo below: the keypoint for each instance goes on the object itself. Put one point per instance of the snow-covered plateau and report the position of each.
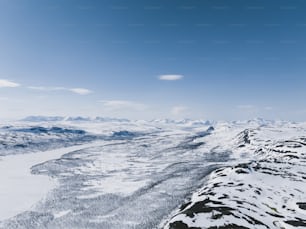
(108, 173)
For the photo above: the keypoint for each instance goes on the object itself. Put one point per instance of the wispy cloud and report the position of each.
(122, 105)
(47, 88)
(179, 110)
(80, 91)
(7, 83)
(170, 77)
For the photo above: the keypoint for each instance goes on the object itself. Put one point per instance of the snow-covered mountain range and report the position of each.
(65, 172)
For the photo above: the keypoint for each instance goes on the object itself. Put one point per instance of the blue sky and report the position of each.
(145, 59)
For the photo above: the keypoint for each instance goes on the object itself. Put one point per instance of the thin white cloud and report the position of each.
(122, 105)
(79, 91)
(179, 110)
(38, 88)
(48, 88)
(171, 77)
(7, 83)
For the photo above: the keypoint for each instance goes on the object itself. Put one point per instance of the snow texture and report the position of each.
(75, 172)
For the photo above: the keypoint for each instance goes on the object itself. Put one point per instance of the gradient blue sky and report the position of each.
(231, 59)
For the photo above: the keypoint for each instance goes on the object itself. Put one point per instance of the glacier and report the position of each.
(78, 172)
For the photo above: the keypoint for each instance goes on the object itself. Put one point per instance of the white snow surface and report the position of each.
(20, 188)
(269, 191)
(115, 173)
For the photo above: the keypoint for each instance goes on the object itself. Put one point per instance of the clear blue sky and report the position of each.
(227, 59)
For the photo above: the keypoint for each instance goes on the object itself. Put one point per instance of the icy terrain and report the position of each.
(114, 173)
(269, 191)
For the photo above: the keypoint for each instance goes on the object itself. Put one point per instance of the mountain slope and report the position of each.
(268, 192)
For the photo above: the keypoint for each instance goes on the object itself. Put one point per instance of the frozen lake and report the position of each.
(23, 189)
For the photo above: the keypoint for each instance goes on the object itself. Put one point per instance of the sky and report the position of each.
(199, 59)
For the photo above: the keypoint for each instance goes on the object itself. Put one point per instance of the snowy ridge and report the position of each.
(71, 119)
(23, 138)
(268, 192)
(189, 122)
